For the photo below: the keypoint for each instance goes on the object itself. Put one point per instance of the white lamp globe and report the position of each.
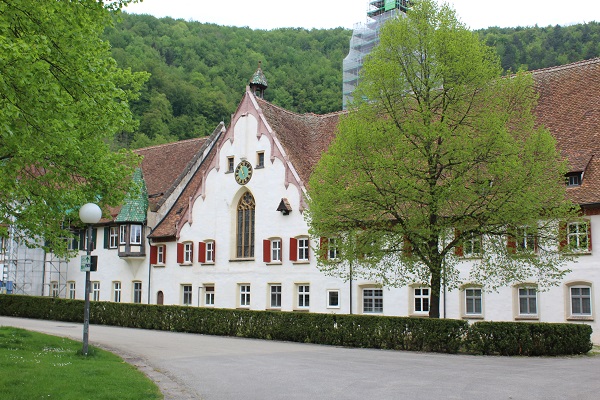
(90, 213)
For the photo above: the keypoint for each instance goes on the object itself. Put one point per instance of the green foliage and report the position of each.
(368, 331)
(62, 98)
(438, 148)
(528, 339)
(36, 366)
(199, 72)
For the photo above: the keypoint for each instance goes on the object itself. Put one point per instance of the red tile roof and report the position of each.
(569, 106)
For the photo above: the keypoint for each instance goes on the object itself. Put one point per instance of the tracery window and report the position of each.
(245, 226)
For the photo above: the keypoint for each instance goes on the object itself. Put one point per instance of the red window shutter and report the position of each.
(153, 254)
(293, 249)
(202, 252)
(164, 254)
(511, 244)
(180, 253)
(324, 248)
(267, 250)
(562, 236)
(458, 250)
(589, 232)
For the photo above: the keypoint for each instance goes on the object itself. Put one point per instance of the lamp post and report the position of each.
(89, 214)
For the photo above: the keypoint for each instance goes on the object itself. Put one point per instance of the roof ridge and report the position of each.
(595, 60)
(307, 114)
(171, 143)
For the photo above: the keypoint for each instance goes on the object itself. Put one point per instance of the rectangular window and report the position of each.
(421, 297)
(187, 295)
(260, 162)
(332, 249)
(244, 295)
(525, 239)
(54, 289)
(471, 246)
(276, 250)
(275, 296)
(333, 299)
(581, 301)
(117, 292)
(209, 295)
(527, 301)
(303, 296)
(72, 290)
(472, 301)
(210, 252)
(137, 292)
(135, 234)
(573, 179)
(113, 237)
(372, 300)
(188, 250)
(303, 249)
(230, 165)
(96, 291)
(122, 234)
(160, 254)
(578, 236)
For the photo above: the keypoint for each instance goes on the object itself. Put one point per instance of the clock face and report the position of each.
(243, 172)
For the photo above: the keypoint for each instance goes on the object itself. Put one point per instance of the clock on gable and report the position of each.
(243, 172)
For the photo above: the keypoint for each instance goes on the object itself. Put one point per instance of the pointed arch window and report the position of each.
(245, 226)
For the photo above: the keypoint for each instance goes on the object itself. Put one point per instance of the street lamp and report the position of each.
(89, 214)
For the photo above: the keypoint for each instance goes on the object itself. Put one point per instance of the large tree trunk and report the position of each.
(434, 293)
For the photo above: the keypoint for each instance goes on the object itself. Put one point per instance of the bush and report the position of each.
(379, 332)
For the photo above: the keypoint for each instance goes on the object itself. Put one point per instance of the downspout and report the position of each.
(149, 270)
(350, 287)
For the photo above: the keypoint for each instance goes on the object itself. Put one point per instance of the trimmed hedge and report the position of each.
(379, 332)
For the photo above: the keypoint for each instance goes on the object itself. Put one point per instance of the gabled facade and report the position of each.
(225, 222)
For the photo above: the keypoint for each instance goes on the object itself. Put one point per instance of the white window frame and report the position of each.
(188, 251)
(230, 164)
(275, 290)
(260, 159)
(421, 299)
(525, 239)
(72, 292)
(54, 289)
(472, 246)
(209, 295)
(186, 294)
(137, 292)
(160, 254)
(276, 250)
(581, 300)
(303, 248)
(330, 304)
(473, 297)
(524, 294)
(332, 249)
(303, 291)
(122, 234)
(575, 235)
(372, 300)
(210, 251)
(113, 237)
(135, 234)
(117, 292)
(96, 291)
(245, 292)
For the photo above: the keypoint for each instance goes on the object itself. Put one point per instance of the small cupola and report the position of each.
(258, 83)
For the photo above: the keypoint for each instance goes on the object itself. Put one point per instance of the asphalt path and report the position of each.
(189, 366)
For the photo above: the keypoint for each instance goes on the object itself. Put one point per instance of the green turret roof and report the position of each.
(259, 78)
(135, 207)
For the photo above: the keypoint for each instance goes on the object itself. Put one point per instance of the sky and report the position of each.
(323, 14)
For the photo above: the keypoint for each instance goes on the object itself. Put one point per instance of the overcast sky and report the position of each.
(270, 14)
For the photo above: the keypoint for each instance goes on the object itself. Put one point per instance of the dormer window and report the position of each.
(574, 179)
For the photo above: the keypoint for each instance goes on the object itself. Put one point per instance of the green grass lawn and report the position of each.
(38, 366)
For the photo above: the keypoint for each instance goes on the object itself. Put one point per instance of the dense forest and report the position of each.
(199, 71)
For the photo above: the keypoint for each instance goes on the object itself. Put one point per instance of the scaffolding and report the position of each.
(365, 37)
(31, 271)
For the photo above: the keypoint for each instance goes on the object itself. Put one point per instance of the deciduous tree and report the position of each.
(62, 99)
(438, 151)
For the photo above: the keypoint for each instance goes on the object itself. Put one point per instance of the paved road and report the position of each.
(188, 366)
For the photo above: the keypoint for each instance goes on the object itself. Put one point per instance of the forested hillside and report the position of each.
(199, 71)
